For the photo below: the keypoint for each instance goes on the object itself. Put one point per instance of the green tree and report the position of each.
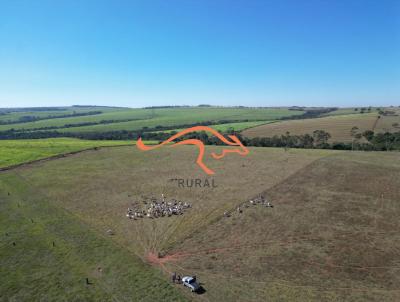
(369, 135)
(321, 138)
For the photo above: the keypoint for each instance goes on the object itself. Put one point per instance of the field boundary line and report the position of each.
(232, 209)
(375, 122)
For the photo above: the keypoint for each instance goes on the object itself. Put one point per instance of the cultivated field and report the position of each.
(135, 119)
(16, 114)
(332, 234)
(339, 126)
(385, 123)
(228, 126)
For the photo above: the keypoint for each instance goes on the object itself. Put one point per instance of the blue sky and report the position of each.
(255, 53)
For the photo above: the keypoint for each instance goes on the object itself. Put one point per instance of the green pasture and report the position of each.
(13, 152)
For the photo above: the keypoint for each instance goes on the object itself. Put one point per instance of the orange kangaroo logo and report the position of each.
(243, 151)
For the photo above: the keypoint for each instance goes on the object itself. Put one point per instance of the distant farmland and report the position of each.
(235, 126)
(116, 119)
(105, 123)
(338, 126)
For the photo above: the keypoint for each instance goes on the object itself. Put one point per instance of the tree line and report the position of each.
(377, 142)
(319, 139)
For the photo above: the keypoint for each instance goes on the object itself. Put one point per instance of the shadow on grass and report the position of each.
(201, 290)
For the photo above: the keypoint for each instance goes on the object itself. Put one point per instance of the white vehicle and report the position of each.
(191, 283)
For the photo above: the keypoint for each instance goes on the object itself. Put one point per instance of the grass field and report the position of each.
(55, 252)
(331, 236)
(139, 118)
(338, 126)
(14, 152)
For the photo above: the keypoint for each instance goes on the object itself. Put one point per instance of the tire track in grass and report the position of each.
(181, 255)
(145, 247)
(286, 283)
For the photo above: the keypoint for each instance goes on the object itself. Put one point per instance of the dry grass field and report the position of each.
(106, 182)
(331, 236)
(385, 123)
(338, 126)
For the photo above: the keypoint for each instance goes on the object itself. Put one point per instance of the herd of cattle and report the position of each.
(260, 200)
(155, 208)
